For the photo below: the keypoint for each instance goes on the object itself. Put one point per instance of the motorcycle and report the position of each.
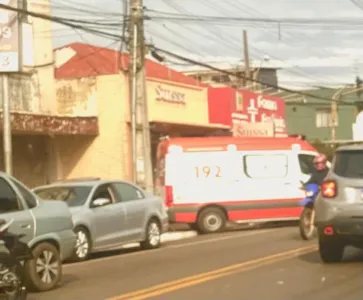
(13, 253)
(307, 217)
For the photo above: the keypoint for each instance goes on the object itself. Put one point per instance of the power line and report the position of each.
(228, 43)
(73, 23)
(198, 63)
(298, 21)
(67, 22)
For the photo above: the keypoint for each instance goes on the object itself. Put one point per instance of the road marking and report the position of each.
(168, 287)
(203, 277)
(126, 255)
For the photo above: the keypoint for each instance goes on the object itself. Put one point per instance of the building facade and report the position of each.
(312, 117)
(36, 126)
(88, 76)
(236, 108)
(213, 78)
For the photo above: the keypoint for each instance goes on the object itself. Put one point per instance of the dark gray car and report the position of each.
(339, 206)
(109, 213)
(47, 228)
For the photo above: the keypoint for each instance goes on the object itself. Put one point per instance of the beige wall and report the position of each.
(107, 154)
(43, 83)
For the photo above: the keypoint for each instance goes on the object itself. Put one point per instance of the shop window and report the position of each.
(265, 166)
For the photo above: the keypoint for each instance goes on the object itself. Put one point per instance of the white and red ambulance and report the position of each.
(208, 181)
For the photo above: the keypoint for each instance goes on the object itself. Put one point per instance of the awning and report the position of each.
(55, 125)
(186, 128)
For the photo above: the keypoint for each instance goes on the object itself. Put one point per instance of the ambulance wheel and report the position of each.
(211, 220)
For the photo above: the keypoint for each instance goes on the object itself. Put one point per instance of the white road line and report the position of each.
(125, 255)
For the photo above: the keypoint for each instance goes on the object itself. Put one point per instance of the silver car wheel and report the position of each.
(47, 267)
(82, 244)
(212, 222)
(154, 234)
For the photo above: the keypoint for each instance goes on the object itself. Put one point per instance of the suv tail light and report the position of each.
(168, 195)
(329, 189)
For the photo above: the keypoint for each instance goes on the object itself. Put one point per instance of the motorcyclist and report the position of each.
(320, 170)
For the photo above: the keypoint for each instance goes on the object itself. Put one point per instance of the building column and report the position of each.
(54, 165)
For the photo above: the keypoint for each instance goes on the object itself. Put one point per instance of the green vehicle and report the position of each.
(47, 227)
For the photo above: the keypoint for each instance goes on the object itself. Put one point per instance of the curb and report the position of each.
(175, 236)
(168, 237)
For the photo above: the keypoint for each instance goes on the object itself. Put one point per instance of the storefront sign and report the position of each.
(266, 104)
(238, 118)
(9, 38)
(167, 95)
(254, 130)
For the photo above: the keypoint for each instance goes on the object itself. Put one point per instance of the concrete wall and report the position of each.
(107, 154)
(30, 159)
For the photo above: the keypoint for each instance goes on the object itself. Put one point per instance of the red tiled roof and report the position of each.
(91, 60)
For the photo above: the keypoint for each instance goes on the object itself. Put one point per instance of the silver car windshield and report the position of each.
(73, 195)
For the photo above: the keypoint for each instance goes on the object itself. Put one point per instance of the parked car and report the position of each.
(108, 214)
(47, 228)
(339, 206)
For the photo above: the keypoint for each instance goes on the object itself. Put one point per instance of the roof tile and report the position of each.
(91, 60)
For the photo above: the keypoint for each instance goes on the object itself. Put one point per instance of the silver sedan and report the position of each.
(108, 214)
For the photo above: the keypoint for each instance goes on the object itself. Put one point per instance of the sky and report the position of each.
(310, 56)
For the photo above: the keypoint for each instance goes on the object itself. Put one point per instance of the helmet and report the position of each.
(320, 161)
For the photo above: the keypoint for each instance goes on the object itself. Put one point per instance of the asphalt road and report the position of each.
(255, 264)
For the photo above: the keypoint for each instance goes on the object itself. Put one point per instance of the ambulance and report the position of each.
(209, 181)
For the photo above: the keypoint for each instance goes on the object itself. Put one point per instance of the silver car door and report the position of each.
(13, 207)
(135, 205)
(108, 220)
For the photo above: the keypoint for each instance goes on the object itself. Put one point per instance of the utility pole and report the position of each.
(334, 117)
(334, 113)
(246, 58)
(141, 145)
(8, 157)
(11, 38)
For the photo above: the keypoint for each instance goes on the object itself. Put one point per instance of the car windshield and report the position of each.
(349, 164)
(73, 195)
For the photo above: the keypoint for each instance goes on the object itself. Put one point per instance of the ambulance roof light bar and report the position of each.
(296, 147)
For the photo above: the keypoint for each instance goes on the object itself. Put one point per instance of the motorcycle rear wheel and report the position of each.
(307, 228)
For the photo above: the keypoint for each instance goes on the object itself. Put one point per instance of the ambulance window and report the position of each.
(265, 166)
(306, 162)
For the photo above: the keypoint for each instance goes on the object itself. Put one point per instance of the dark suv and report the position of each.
(339, 206)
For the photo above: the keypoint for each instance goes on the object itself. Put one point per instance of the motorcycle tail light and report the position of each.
(329, 189)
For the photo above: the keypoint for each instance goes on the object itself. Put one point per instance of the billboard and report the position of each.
(231, 107)
(9, 38)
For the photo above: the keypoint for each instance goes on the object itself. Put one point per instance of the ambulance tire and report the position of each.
(211, 220)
